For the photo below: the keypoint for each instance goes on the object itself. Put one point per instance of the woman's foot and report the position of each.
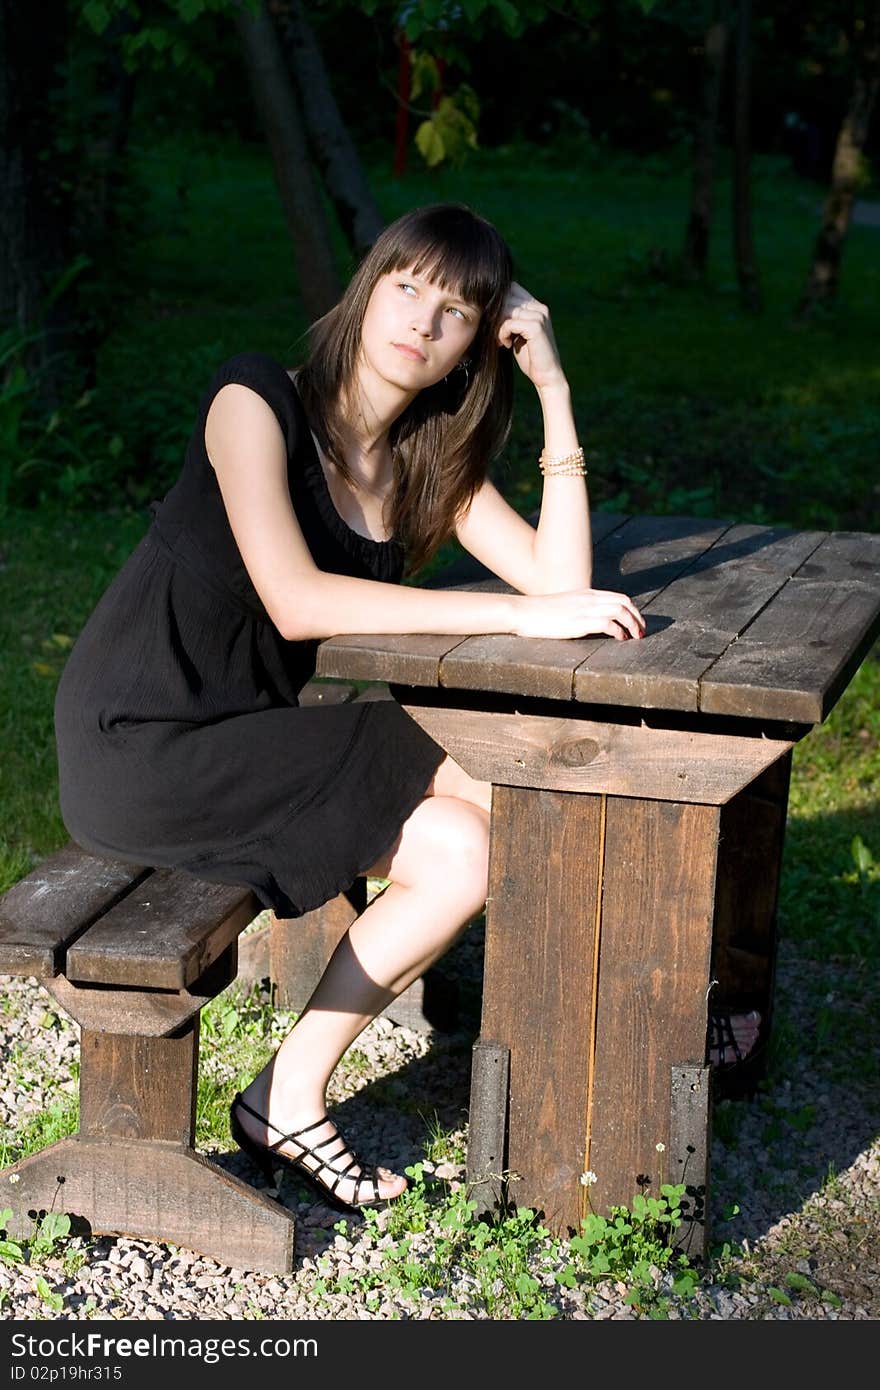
(732, 1036)
(315, 1150)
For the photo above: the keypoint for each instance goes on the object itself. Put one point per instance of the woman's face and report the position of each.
(414, 333)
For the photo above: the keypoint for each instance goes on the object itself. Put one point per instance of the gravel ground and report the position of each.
(772, 1157)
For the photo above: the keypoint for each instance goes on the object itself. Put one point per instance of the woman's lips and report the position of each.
(411, 352)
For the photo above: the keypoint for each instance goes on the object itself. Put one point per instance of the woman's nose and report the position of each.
(424, 322)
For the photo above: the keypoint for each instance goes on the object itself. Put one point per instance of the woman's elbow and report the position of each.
(298, 616)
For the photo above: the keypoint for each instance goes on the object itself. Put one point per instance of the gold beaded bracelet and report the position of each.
(562, 465)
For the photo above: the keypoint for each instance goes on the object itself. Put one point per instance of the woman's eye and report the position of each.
(453, 310)
(407, 289)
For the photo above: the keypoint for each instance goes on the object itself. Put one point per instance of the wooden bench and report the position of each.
(132, 954)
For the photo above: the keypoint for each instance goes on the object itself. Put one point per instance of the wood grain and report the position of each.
(163, 936)
(413, 659)
(747, 892)
(54, 903)
(580, 755)
(154, 1191)
(149, 1013)
(797, 657)
(139, 1088)
(538, 986)
(658, 890)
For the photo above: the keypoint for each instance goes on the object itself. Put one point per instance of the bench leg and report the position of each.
(152, 1190)
(132, 1169)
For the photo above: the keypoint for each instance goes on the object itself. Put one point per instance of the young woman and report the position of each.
(303, 497)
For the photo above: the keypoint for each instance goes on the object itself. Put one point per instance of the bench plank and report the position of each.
(51, 906)
(163, 936)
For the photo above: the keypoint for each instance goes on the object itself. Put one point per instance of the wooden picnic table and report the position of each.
(638, 813)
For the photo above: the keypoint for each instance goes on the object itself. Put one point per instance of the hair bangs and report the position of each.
(452, 247)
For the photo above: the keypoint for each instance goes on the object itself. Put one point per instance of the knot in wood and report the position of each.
(575, 752)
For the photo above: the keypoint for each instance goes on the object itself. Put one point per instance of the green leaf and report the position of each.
(424, 73)
(96, 15)
(53, 1299)
(778, 1296)
(430, 143)
(862, 856)
(54, 1225)
(800, 1282)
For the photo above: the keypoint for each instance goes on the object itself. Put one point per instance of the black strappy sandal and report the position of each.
(267, 1158)
(739, 1072)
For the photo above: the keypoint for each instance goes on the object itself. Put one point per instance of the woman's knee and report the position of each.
(452, 780)
(443, 845)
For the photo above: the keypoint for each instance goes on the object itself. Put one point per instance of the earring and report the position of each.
(463, 366)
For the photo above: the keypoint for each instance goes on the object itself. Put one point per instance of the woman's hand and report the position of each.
(581, 613)
(526, 328)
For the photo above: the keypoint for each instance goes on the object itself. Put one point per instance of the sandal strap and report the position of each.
(285, 1138)
(367, 1170)
(722, 1037)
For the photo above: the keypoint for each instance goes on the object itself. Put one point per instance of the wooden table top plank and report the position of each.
(845, 557)
(799, 654)
(661, 671)
(410, 659)
(646, 554)
(516, 665)
(549, 664)
(776, 548)
(634, 557)
(720, 599)
(692, 621)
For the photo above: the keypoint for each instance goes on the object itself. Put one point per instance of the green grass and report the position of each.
(684, 400)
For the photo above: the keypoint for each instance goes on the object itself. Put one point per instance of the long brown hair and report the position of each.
(443, 443)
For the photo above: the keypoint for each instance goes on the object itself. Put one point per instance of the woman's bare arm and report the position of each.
(555, 556)
(246, 448)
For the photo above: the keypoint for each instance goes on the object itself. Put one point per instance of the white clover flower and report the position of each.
(661, 1148)
(587, 1179)
(15, 1177)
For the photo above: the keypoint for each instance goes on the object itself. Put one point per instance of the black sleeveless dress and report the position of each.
(179, 736)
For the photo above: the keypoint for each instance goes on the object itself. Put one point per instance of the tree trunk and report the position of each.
(744, 251)
(106, 143)
(34, 205)
(696, 241)
(279, 111)
(331, 145)
(404, 80)
(824, 276)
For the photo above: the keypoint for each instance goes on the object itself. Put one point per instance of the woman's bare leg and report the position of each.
(438, 869)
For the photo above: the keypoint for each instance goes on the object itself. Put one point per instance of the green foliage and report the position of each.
(450, 131)
(50, 1231)
(11, 1252)
(507, 1264)
(167, 36)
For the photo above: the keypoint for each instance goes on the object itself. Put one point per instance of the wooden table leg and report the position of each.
(596, 980)
(747, 894)
(614, 850)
